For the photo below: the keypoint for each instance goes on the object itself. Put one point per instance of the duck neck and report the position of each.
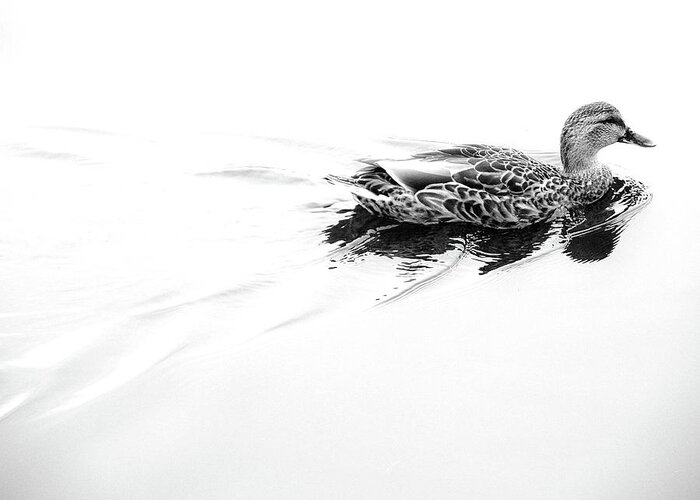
(575, 166)
(578, 158)
(592, 177)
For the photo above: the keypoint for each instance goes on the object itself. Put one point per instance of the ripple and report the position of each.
(259, 174)
(12, 404)
(31, 152)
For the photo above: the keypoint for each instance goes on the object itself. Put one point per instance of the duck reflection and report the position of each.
(587, 235)
(594, 230)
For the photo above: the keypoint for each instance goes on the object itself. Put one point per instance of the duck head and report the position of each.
(591, 128)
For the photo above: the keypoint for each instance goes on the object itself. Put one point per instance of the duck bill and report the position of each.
(632, 137)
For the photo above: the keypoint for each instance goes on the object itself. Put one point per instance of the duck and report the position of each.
(492, 186)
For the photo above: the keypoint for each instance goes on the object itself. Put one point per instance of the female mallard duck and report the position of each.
(492, 186)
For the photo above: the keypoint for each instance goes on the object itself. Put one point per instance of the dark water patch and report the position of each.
(427, 244)
(594, 246)
(500, 248)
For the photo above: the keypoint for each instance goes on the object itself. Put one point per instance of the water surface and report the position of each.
(203, 315)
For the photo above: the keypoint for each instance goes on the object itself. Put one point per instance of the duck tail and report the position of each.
(352, 184)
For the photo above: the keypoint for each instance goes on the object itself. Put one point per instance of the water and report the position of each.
(203, 315)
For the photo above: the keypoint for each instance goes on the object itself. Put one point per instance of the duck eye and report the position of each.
(613, 120)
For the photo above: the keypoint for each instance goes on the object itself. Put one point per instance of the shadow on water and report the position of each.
(586, 235)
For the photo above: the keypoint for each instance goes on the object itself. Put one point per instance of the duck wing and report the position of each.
(415, 174)
(497, 187)
(494, 170)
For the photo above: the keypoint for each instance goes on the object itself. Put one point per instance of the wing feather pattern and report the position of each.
(487, 185)
(490, 186)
